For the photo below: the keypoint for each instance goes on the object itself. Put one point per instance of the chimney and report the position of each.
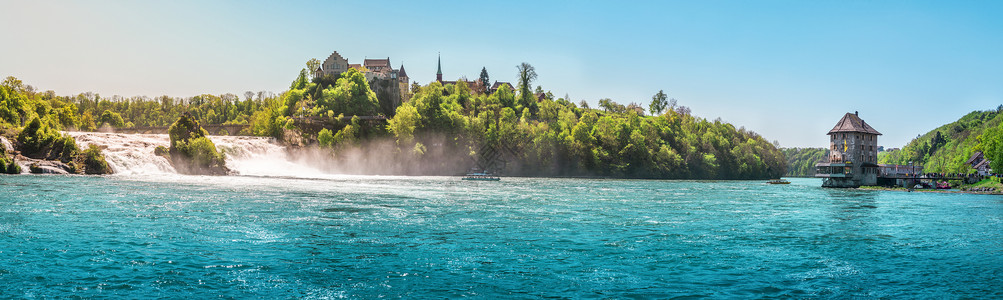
(856, 113)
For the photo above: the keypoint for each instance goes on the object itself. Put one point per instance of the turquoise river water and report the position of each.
(191, 237)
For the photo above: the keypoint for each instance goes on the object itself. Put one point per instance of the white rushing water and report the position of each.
(133, 154)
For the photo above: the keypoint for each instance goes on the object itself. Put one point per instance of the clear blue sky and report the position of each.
(785, 69)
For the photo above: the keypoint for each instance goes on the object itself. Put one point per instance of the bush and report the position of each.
(40, 141)
(202, 152)
(34, 138)
(185, 128)
(162, 151)
(191, 151)
(325, 138)
(8, 166)
(111, 118)
(94, 162)
(34, 168)
(13, 168)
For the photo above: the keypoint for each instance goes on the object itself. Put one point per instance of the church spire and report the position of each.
(438, 74)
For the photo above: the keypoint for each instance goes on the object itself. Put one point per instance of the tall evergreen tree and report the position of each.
(485, 80)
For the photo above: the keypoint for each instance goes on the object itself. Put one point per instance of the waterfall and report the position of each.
(132, 154)
(7, 146)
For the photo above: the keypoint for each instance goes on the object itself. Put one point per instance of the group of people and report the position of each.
(981, 189)
(953, 175)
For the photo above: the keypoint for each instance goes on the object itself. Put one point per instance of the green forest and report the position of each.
(946, 148)
(537, 137)
(801, 161)
(33, 123)
(442, 129)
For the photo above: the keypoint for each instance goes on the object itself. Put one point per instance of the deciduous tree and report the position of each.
(312, 65)
(658, 103)
(527, 74)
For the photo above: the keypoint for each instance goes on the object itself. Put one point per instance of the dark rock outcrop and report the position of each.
(192, 152)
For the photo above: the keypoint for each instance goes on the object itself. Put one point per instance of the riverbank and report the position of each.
(950, 191)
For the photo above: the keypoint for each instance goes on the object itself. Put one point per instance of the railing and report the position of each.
(213, 129)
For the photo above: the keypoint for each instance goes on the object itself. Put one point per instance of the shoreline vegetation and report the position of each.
(987, 186)
(442, 129)
(946, 149)
(801, 161)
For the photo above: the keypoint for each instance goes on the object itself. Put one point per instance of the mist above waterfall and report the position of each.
(386, 156)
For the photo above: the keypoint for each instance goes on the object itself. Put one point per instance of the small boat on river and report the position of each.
(778, 181)
(481, 177)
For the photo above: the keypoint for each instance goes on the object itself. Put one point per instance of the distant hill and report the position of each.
(801, 161)
(946, 148)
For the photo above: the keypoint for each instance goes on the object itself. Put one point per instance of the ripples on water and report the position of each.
(439, 237)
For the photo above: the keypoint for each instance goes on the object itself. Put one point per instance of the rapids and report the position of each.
(132, 154)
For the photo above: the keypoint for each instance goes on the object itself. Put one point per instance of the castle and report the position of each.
(392, 86)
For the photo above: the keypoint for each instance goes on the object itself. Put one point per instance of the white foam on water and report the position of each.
(129, 154)
(133, 154)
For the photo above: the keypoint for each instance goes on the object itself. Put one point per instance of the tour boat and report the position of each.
(778, 181)
(481, 177)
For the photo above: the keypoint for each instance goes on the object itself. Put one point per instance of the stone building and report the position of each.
(853, 154)
(334, 65)
(392, 86)
(403, 85)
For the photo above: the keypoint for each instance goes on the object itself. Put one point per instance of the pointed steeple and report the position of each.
(438, 74)
(401, 73)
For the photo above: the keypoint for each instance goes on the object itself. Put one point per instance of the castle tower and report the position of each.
(852, 154)
(438, 74)
(404, 84)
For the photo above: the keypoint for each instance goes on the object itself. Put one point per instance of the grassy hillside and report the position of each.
(946, 148)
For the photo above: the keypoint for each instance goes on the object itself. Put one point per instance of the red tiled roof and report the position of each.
(469, 83)
(498, 84)
(852, 123)
(382, 63)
